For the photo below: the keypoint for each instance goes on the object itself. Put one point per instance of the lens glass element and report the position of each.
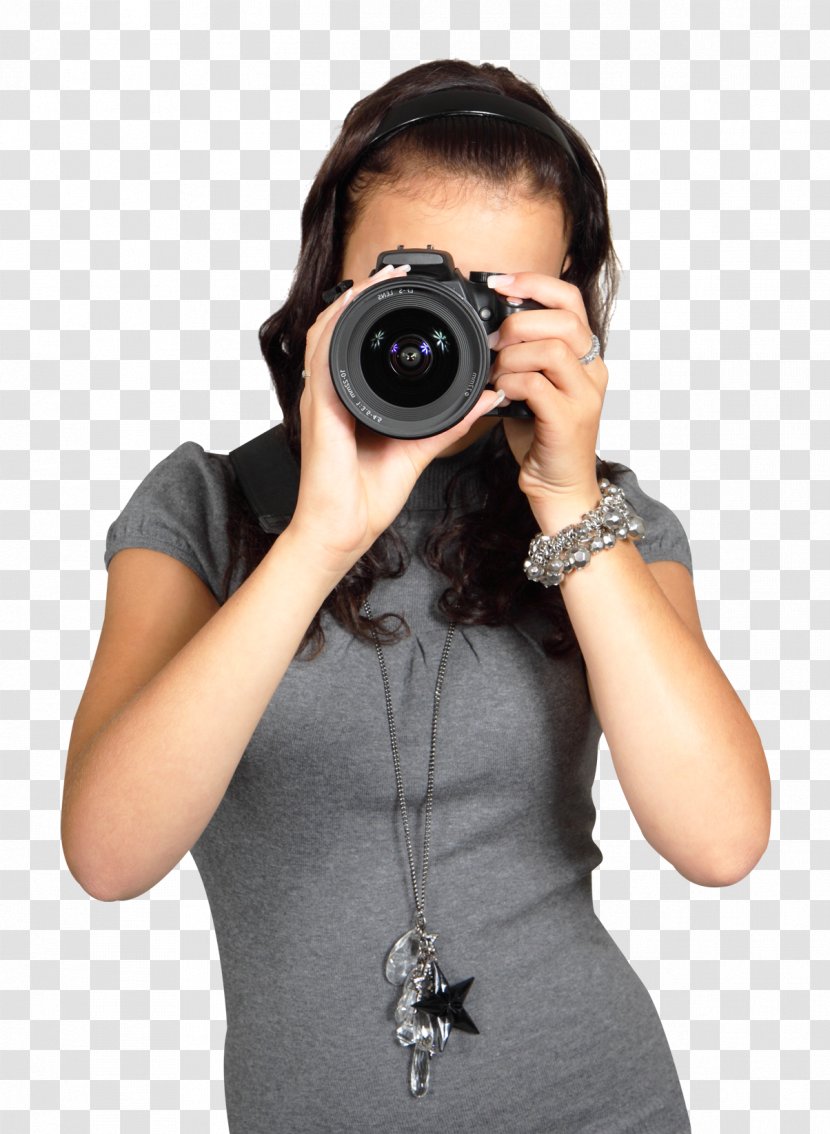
(409, 356)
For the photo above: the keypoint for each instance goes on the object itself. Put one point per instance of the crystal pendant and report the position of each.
(428, 1006)
(414, 1025)
(417, 1028)
(407, 1032)
(419, 1072)
(440, 1024)
(403, 957)
(411, 991)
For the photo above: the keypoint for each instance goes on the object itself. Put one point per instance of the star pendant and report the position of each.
(446, 1002)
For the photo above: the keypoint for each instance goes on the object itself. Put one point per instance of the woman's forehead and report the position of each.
(478, 231)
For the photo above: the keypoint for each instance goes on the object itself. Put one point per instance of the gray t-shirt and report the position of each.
(305, 866)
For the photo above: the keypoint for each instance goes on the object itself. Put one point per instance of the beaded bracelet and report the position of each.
(550, 558)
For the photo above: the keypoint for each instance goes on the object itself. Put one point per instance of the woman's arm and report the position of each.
(687, 754)
(141, 789)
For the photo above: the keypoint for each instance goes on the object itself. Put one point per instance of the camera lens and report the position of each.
(409, 357)
(406, 358)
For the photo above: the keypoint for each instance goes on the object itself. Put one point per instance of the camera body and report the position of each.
(410, 356)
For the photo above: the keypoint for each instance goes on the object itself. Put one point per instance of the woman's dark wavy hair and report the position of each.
(481, 552)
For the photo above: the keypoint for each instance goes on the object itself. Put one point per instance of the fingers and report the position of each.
(430, 447)
(318, 338)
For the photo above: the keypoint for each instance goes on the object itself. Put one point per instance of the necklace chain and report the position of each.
(419, 901)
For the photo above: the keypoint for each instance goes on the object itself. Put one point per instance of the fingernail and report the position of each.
(497, 401)
(347, 295)
(389, 269)
(499, 281)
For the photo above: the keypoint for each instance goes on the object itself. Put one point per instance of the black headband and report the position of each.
(452, 101)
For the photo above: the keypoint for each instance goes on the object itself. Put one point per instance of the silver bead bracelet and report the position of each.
(551, 557)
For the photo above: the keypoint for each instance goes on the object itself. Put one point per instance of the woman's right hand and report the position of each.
(353, 485)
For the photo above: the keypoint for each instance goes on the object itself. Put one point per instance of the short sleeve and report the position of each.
(665, 536)
(180, 508)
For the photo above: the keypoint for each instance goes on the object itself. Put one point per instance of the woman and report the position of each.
(207, 725)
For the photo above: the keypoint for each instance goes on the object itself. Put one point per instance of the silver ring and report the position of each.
(592, 353)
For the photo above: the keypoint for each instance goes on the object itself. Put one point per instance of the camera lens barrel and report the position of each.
(409, 358)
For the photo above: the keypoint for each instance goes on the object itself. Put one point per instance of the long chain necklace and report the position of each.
(428, 1006)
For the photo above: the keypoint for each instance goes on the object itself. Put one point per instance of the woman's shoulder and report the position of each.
(190, 467)
(189, 482)
(180, 507)
(665, 536)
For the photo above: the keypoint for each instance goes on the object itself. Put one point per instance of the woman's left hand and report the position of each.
(538, 363)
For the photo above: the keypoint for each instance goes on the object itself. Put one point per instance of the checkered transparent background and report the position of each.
(154, 158)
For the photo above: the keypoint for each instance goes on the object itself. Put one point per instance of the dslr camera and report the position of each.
(410, 356)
